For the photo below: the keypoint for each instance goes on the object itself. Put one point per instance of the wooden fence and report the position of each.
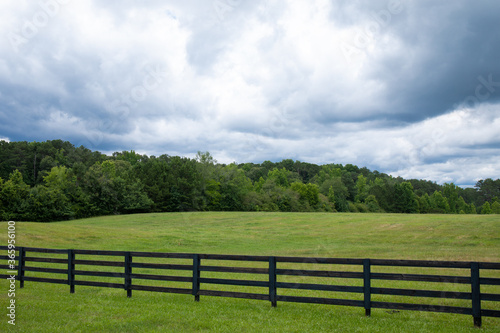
(270, 274)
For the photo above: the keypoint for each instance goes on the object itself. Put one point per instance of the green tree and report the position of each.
(130, 156)
(472, 208)
(273, 197)
(383, 192)
(209, 188)
(362, 189)
(331, 195)
(405, 200)
(13, 195)
(488, 189)
(280, 176)
(63, 182)
(254, 172)
(234, 185)
(349, 179)
(450, 192)
(309, 193)
(327, 172)
(48, 204)
(462, 206)
(154, 175)
(495, 207)
(213, 195)
(372, 204)
(255, 201)
(424, 204)
(113, 188)
(2, 204)
(486, 208)
(184, 185)
(439, 204)
(340, 191)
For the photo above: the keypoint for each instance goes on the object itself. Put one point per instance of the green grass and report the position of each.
(45, 307)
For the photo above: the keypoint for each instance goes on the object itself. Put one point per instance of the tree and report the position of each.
(254, 172)
(421, 187)
(327, 172)
(48, 204)
(56, 180)
(113, 188)
(308, 193)
(213, 195)
(183, 183)
(488, 189)
(439, 204)
(472, 208)
(280, 176)
(209, 188)
(2, 204)
(486, 208)
(154, 175)
(272, 195)
(335, 185)
(495, 207)
(254, 202)
(405, 200)
(234, 185)
(362, 189)
(13, 195)
(450, 191)
(424, 204)
(383, 192)
(16, 156)
(348, 179)
(306, 171)
(130, 156)
(464, 208)
(134, 199)
(331, 195)
(64, 183)
(372, 204)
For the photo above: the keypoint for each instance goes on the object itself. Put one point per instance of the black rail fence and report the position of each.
(474, 292)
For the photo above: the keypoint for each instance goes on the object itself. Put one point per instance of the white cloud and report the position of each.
(251, 81)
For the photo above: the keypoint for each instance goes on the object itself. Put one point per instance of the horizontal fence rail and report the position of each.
(197, 272)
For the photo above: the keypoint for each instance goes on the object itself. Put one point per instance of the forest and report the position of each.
(54, 180)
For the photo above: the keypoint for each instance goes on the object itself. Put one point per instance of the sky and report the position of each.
(408, 88)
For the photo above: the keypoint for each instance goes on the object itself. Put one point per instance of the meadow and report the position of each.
(51, 308)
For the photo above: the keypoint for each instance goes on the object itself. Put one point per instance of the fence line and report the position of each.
(271, 277)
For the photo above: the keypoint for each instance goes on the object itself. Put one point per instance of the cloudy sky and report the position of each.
(410, 88)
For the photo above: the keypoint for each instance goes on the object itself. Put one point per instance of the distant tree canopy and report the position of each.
(54, 180)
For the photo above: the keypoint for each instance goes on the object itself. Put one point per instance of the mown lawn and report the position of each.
(51, 308)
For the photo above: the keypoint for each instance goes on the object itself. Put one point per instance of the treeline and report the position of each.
(54, 180)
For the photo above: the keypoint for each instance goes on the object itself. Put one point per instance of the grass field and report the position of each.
(51, 308)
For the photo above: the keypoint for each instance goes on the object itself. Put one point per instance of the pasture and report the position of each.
(46, 307)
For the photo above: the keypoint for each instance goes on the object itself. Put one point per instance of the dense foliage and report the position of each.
(54, 180)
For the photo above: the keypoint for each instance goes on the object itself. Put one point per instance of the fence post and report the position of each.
(71, 271)
(367, 287)
(196, 277)
(272, 281)
(20, 266)
(476, 293)
(128, 272)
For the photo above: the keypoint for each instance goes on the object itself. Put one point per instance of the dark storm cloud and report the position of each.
(409, 87)
(448, 50)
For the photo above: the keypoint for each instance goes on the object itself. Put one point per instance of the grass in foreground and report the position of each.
(47, 307)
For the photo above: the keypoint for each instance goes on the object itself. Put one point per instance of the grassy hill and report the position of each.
(46, 307)
(390, 236)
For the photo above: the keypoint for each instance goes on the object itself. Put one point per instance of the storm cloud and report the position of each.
(410, 88)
